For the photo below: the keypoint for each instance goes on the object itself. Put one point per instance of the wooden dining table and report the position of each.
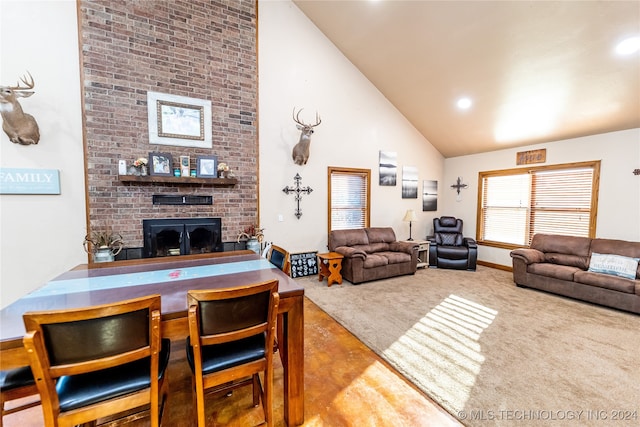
(171, 277)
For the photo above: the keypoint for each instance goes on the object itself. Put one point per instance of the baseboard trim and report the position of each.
(498, 266)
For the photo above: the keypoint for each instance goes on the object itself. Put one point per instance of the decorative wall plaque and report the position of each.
(29, 181)
(532, 156)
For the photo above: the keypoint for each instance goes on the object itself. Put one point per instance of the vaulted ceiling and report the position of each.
(534, 71)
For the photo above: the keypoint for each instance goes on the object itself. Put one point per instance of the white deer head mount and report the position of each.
(21, 128)
(300, 152)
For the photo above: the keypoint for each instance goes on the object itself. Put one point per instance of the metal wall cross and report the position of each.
(298, 192)
(458, 185)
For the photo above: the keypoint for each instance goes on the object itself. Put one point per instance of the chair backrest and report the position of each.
(223, 315)
(447, 231)
(280, 258)
(77, 341)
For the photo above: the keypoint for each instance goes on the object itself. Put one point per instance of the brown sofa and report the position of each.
(373, 253)
(560, 264)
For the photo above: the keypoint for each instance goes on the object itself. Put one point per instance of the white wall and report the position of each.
(300, 67)
(619, 193)
(41, 236)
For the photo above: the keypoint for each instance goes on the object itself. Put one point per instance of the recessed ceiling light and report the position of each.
(628, 46)
(464, 103)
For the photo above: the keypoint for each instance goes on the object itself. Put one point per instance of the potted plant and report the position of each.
(139, 167)
(104, 245)
(254, 236)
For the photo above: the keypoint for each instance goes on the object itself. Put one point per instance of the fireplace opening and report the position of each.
(181, 236)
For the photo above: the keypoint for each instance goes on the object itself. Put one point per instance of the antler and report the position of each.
(296, 119)
(29, 83)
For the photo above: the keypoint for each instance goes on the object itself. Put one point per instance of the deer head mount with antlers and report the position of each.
(300, 152)
(21, 128)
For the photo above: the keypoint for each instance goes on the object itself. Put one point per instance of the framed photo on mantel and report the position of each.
(207, 167)
(160, 164)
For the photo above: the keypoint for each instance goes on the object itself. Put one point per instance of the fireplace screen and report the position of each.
(187, 236)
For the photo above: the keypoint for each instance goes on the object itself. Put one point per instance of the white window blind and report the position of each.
(506, 208)
(517, 204)
(349, 198)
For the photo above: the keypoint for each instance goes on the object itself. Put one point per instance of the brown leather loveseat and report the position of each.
(373, 253)
(600, 271)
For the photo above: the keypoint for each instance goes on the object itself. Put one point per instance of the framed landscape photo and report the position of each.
(207, 167)
(160, 164)
(179, 120)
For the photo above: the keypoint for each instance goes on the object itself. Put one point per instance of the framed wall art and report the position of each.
(387, 168)
(409, 182)
(160, 164)
(429, 196)
(207, 167)
(179, 120)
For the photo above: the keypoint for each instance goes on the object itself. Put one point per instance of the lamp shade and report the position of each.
(409, 216)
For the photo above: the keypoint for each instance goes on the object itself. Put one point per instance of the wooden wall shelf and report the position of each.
(216, 182)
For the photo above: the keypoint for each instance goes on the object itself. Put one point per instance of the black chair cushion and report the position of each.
(16, 378)
(449, 239)
(453, 252)
(277, 259)
(77, 391)
(222, 356)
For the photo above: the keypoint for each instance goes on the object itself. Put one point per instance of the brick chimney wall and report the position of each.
(199, 49)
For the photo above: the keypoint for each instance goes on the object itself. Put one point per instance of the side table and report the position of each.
(423, 252)
(330, 264)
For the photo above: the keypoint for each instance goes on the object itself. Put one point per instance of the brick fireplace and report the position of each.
(199, 49)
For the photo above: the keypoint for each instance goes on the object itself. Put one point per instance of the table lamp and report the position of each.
(409, 217)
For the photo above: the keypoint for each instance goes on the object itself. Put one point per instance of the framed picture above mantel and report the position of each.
(179, 120)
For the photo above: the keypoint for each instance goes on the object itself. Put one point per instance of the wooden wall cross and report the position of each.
(298, 191)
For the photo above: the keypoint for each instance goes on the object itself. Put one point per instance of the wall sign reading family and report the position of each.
(29, 181)
(179, 120)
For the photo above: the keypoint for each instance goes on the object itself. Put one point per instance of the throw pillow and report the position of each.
(616, 265)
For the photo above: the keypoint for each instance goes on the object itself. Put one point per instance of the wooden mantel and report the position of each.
(177, 180)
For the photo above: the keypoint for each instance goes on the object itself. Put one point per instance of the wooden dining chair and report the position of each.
(94, 362)
(231, 336)
(17, 383)
(280, 258)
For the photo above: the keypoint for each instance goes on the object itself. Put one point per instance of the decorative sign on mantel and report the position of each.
(29, 181)
(532, 156)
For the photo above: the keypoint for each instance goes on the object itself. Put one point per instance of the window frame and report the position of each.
(354, 171)
(593, 211)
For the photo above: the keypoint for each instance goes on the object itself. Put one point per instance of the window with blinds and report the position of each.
(349, 192)
(516, 204)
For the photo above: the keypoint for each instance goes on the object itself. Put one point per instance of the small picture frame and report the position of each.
(185, 166)
(207, 167)
(160, 164)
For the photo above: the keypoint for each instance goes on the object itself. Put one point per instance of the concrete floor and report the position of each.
(346, 384)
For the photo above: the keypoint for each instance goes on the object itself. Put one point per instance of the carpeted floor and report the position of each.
(492, 353)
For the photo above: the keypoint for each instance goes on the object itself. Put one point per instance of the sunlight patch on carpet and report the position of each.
(446, 339)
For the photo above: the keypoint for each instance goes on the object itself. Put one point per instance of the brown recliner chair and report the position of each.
(448, 248)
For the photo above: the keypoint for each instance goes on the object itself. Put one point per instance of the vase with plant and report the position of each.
(254, 235)
(103, 245)
(139, 166)
(223, 170)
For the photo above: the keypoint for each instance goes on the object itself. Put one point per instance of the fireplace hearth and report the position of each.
(181, 236)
